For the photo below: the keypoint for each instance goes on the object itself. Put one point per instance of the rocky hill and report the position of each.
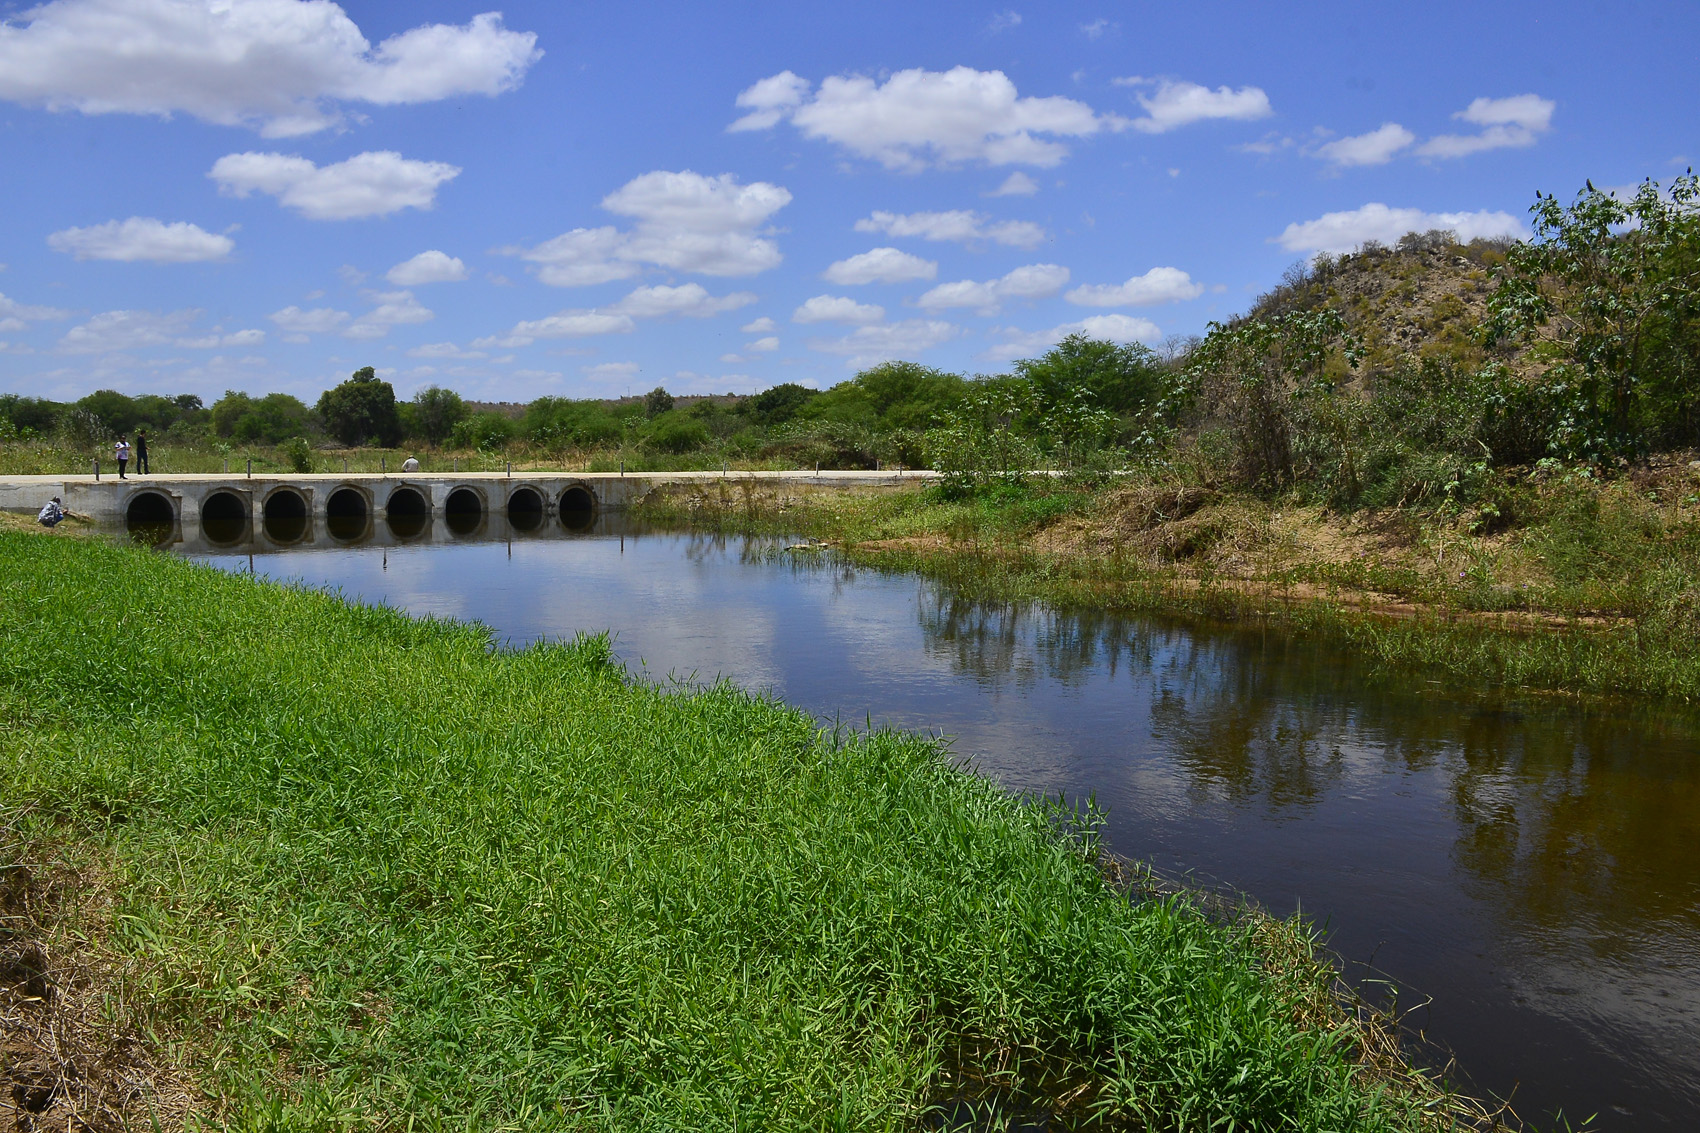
(1425, 297)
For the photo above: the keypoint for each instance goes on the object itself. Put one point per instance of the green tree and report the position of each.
(891, 395)
(435, 412)
(116, 412)
(1121, 378)
(272, 419)
(1255, 376)
(780, 403)
(560, 423)
(361, 410)
(30, 416)
(980, 441)
(677, 432)
(1612, 289)
(656, 402)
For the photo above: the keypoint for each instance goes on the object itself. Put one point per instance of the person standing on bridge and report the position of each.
(141, 452)
(121, 453)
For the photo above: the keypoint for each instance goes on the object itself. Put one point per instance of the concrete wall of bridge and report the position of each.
(188, 498)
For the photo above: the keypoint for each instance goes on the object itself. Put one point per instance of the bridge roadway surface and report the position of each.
(109, 500)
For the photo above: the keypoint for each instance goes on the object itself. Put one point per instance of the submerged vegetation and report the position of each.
(377, 872)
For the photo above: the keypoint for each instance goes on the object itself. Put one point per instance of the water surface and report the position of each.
(1527, 870)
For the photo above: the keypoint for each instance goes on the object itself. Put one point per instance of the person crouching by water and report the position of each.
(52, 514)
(121, 453)
(141, 452)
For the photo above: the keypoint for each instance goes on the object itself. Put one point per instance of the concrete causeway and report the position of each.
(179, 500)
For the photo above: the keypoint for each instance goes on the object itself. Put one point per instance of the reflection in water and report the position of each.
(151, 534)
(285, 529)
(1528, 863)
(349, 528)
(226, 532)
(408, 525)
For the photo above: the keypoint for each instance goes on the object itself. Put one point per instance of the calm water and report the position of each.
(1526, 870)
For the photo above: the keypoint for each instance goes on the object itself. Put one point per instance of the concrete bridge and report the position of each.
(208, 502)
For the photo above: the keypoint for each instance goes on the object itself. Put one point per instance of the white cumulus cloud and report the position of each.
(1035, 281)
(142, 239)
(446, 350)
(219, 339)
(427, 267)
(865, 346)
(566, 324)
(1374, 148)
(15, 316)
(917, 118)
(610, 371)
(126, 330)
(963, 226)
(1159, 285)
(296, 324)
(1344, 231)
(690, 300)
(838, 309)
(763, 345)
(1506, 123)
(1115, 328)
(880, 265)
(1017, 184)
(769, 100)
(682, 221)
(282, 66)
(762, 325)
(393, 309)
(1173, 104)
(367, 184)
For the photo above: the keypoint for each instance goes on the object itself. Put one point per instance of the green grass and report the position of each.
(371, 872)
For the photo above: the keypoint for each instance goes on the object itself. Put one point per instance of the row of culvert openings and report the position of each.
(224, 515)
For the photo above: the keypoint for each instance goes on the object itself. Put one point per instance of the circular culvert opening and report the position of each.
(284, 516)
(463, 511)
(150, 518)
(525, 509)
(407, 512)
(347, 517)
(578, 508)
(224, 517)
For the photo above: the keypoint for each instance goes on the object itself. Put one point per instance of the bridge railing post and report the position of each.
(97, 470)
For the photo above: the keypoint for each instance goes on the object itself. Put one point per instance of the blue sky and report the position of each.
(586, 200)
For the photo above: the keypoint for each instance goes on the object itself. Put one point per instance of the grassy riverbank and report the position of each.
(1571, 585)
(304, 864)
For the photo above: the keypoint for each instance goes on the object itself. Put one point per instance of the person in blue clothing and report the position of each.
(52, 513)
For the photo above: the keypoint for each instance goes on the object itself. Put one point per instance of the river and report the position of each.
(1522, 873)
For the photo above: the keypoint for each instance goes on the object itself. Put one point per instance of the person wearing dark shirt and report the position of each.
(141, 452)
